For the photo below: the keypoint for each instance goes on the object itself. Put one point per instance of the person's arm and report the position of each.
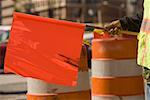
(132, 23)
(126, 23)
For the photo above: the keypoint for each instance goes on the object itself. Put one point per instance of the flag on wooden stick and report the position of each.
(44, 48)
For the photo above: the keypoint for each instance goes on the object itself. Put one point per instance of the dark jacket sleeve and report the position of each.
(132, 23)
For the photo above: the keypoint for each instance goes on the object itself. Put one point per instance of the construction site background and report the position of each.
(88, 11)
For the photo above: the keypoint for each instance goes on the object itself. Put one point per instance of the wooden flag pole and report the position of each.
(97, 27)
(122, 31)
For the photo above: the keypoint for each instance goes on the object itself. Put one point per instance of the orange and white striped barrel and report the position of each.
(115, 74)
(40, 90)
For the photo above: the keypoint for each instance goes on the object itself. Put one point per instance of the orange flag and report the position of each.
(44, 48)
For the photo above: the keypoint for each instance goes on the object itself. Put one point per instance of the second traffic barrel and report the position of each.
(115, 74)
(40, 90)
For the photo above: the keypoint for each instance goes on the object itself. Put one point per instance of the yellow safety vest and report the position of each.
(144, 38)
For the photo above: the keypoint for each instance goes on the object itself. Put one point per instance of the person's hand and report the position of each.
(114, 27)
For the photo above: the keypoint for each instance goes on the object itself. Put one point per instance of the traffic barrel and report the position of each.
(115, 74)
(40, 90)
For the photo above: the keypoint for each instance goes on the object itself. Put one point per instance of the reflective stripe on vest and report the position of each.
(144, 38)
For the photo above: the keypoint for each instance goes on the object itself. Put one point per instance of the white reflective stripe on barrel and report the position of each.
(82, 84)
(111, 68)
(38, 86)
(140, 97)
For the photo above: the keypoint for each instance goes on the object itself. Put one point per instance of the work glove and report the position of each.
(146, 73)
(114, 27)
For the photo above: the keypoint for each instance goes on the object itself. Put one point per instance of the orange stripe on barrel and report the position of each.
(114, 48)
(41, 97)
(80, 95)
(119, 86)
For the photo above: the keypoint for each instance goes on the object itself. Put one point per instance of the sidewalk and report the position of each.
(12, 87)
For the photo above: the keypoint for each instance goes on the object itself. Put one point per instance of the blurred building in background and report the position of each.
(7, 8)
(89, 11)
